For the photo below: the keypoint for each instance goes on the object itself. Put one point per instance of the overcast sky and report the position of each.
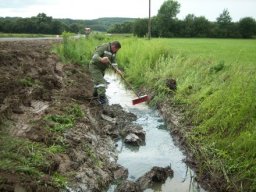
(93, 9)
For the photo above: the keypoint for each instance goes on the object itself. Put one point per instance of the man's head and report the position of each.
(115, 46)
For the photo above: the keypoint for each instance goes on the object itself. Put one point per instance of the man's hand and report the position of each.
(114, 65)
(104, 60)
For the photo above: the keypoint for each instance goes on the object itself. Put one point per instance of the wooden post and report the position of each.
(149, 19)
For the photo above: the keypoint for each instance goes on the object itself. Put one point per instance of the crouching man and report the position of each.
(103, 57)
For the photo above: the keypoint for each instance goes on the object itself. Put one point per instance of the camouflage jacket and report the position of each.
(103, 51)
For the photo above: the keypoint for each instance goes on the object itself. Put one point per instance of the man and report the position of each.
(103, 57)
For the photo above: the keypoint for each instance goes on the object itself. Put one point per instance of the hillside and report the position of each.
(100, 24)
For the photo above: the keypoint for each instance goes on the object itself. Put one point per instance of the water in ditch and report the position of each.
(159, 149)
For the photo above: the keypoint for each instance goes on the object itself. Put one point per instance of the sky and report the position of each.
(93, 9)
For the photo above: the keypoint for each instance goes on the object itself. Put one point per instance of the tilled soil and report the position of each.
(37, 91)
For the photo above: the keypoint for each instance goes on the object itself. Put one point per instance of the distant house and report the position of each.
(87, 30)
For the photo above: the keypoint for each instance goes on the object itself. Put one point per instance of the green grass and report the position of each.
(62, 122)
(23, 156)
(216, 83)
(29, 82)
(80, 50)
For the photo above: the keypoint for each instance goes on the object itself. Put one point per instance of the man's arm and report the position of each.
(97, 56)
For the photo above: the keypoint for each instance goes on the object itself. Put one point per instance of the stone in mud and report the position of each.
(155, 175)
(18, 110)
(128, 186)
(108, 118)
(120, 173)
(135, 129)
(117, 111)
(64, 162)
(133, 139)
(111, 131)
(59, 68)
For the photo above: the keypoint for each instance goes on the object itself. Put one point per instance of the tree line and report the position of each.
(38, 24)
(166, 24)
(47, 25)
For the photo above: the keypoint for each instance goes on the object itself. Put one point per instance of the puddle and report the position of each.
(159, 149)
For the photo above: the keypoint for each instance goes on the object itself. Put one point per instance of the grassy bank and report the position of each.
(22, 156)
(216, 83)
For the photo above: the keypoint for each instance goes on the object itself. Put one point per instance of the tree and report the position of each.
(154, 29)
(140, 27)
(43, 18)
(201, 27)
(189, 26)
(224, 24)
(247, 27)
(58, 27)
(166, 17)
(24, 26)
(8, 26)
(74, 28)
(224, 18)
(126, 27)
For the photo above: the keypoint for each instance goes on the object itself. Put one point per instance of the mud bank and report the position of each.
(53, 133)
(180, 127)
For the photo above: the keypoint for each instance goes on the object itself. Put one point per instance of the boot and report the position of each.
(95, 93)
(103, 100)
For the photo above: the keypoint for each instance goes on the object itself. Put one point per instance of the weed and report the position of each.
(56, 149)
(78, 50)
(91, 154)
(22, 155)
(27, 82)
(217, 67)
(59, 180)
(75, 111)
(61, 122)
(65, 121)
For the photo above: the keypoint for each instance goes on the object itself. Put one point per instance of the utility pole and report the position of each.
(149, 19)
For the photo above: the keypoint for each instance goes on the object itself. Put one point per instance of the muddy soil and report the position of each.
(35, 84)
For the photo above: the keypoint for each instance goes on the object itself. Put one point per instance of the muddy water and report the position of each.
(159, 149)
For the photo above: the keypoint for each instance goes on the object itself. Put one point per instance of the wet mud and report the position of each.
(35, 84)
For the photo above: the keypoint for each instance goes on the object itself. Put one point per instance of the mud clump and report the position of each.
(52, 133)
(155, 175)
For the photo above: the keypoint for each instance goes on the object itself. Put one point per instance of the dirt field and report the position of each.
(51, 128)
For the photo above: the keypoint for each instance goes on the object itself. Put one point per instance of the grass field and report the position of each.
(216, 81)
